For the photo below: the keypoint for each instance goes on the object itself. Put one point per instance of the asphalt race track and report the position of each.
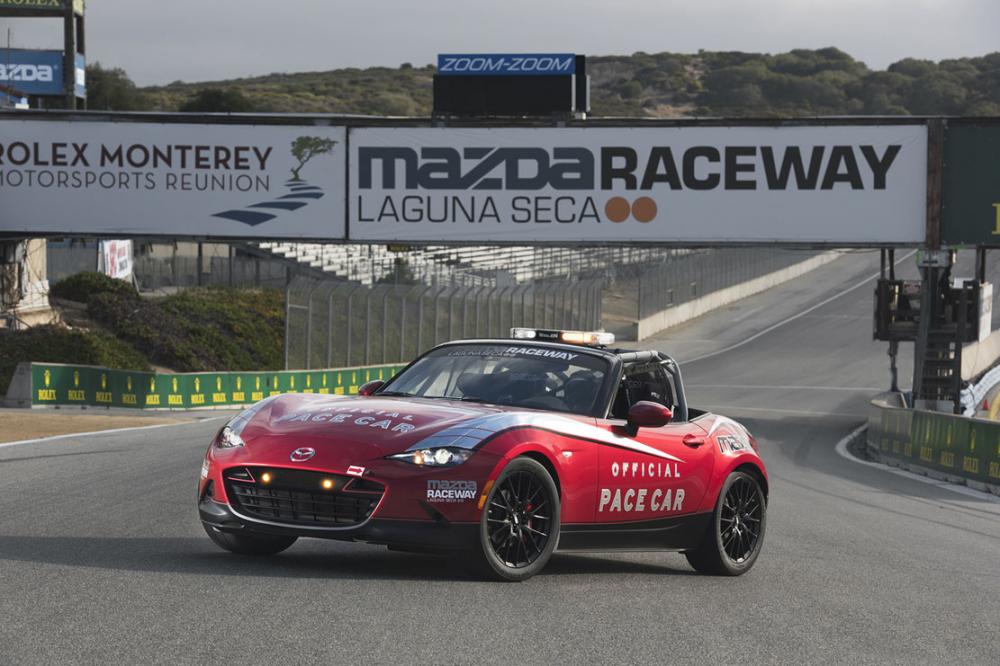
(102, 558)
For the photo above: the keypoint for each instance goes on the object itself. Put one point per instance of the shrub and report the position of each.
(200, 329)
(82, 286)
(218, 100)
(51, 344)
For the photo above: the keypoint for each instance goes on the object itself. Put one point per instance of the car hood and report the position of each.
(364, 426)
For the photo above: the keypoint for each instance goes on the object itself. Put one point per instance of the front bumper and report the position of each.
(428, 535)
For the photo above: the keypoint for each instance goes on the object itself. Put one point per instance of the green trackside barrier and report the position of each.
(92, 386)
(952, 445)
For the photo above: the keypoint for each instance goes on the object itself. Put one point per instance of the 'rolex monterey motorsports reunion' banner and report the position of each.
(833, 184)
(134, 179)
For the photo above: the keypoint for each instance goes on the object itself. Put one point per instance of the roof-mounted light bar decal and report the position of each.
(588, 338)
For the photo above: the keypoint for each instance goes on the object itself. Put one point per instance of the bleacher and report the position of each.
(467, 266)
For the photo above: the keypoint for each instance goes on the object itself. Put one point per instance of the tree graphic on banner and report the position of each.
(305, 148)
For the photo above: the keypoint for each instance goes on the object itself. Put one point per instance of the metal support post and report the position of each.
(309, 325)
(329, 329)
(928, 301)
(368, 326)
(288, 320)
(963, 318)
(69, 57)
(893, 371)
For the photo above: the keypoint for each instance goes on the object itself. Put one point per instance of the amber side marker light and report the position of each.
(486, 493)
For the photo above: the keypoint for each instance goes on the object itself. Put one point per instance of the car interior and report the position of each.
(648, 381)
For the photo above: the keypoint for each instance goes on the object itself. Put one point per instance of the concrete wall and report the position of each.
(672, 316)
(953, 448)
(978, 357)
(30, 293)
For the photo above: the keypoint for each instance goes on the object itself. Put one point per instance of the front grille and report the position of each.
(297, 497)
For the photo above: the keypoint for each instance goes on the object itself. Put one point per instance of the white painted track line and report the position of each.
(91, 433)
(787, 320)
(786, 388)
(775, 410)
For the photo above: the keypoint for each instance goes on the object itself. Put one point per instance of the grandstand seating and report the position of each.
(468, 266)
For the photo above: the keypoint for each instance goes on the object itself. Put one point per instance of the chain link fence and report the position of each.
(333, 324)
(220, 265)
(679, 278)
(674, 277)
(154, 273)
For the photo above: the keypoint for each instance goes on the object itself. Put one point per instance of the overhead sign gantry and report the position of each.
(823, 183)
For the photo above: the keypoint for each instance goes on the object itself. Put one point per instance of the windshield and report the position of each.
(517, 375)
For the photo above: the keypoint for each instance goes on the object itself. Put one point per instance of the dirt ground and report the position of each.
(19, 424)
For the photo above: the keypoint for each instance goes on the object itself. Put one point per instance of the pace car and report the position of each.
(505, 449)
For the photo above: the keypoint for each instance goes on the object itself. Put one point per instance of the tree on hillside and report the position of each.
(305, 148)
(937, 92)
(800, 82)
(112, 90)
(218, 100)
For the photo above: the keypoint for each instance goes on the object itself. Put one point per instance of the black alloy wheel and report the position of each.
(520, 522)
(736, 533)
(741, 518)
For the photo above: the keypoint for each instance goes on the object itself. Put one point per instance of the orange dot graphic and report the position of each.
(617, 209)
(644, 209)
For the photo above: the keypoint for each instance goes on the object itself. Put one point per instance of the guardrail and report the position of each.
(973, 395)
(38, 384)
(955, 448)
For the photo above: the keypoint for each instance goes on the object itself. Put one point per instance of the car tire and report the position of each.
(736, 533)
(247, 544)
(519, 527)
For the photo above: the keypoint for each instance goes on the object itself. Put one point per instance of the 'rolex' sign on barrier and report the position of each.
(56, 384)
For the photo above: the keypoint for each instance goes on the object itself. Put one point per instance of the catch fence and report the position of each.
(153, 273)
(334, 323)
(680, 276)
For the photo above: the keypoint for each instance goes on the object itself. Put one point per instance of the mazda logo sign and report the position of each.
(303, 454)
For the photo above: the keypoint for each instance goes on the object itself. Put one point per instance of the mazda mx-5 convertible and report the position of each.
(503, 449)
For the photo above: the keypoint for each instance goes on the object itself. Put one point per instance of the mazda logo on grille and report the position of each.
(303, 454)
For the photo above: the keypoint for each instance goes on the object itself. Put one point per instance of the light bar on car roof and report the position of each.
(588, 338)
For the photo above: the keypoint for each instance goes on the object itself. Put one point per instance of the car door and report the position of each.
(657, 472)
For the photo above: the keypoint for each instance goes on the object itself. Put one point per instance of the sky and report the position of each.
(161, 41)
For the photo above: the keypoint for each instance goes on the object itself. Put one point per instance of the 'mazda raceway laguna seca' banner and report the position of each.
(830, 184)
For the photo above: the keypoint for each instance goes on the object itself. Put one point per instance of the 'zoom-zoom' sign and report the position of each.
(506, 64)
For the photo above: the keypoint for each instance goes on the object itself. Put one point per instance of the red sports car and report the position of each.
(507, 449)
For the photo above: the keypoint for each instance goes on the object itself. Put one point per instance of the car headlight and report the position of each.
(229, 439)
(439, 457)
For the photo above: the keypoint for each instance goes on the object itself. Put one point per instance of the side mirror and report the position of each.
(646, 414)
(370, 387)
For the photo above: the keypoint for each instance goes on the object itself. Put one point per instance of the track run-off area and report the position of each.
(102, 557)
